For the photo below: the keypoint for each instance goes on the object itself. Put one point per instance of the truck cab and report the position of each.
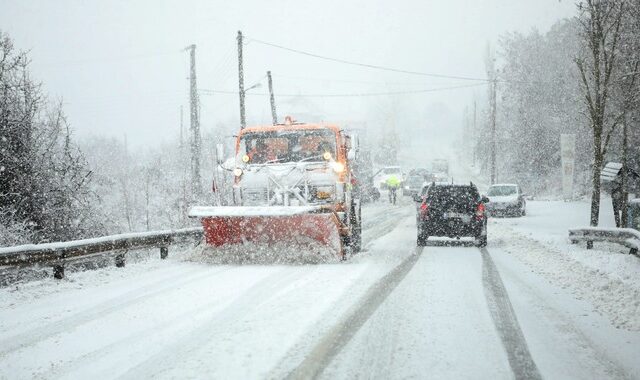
(296, 168)
(292, 165)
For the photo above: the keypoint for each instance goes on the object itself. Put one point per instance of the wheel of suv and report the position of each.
(423, 236)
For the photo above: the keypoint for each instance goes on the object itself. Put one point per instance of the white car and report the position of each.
(506, 199)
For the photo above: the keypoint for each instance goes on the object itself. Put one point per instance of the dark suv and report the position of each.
(452, 211)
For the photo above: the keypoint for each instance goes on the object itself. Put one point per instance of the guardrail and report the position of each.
(627, 237)
(57, 254)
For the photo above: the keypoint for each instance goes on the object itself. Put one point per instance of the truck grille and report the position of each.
(255, 197)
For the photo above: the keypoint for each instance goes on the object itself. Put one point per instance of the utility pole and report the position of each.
(274, 115)
(243, 121)
(493, 130)
(181, 127)
(195, 127)
(466, 134)
(183, 169)
(474, 133)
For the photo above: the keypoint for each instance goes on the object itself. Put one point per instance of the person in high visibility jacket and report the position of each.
(393, 184)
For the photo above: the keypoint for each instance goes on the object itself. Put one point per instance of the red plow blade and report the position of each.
(270, 225)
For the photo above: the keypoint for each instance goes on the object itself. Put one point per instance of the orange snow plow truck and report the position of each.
(293, 185)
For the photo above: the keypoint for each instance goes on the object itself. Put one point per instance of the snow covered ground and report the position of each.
(393, 311)
(607, 275)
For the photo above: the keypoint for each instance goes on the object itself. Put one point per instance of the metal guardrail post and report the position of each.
(58, 271)
(120, 260)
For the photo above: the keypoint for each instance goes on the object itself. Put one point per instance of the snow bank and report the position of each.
(609, 280)
(607, 276)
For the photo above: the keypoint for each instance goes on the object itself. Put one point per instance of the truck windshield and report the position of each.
(287, 146)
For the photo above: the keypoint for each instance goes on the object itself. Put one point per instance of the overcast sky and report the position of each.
(120, 66)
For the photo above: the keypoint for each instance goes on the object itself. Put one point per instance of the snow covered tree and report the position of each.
(537, 103)
(44, 193)
(18, 104)
(601, 27)
(626, 99)
(145, 189)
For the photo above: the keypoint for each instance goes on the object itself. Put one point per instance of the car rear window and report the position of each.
(459, 196)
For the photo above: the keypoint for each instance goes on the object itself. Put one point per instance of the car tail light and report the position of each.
(480, 211)
(424, 210)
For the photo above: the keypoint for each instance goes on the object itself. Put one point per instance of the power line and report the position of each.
(337, 80)
(391, 69)
(365, 94)
(377, 67)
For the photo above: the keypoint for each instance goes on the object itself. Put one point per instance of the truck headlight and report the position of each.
(237, 172)
(338, 167)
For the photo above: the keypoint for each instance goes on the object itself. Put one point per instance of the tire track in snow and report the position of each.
(132, 297)
(341, 333)
(505, 321)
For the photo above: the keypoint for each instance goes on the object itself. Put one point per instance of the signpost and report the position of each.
(567, 156)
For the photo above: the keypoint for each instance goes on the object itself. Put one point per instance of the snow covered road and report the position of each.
(394, 311)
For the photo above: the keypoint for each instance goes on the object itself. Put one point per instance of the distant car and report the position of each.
(412, 185)
(419, 171)
(440, 165)
(506, 199)
(440, 178)
(427, 175)
(452, 211)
